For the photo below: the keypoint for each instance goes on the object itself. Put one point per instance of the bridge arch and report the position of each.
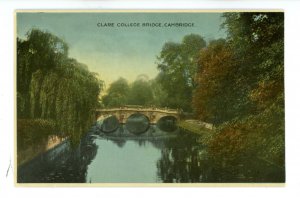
(137, 123)
(167, 123)
(110, 124)
(168, 117)
(135, 114)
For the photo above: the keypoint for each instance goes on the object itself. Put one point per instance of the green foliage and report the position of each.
(256, 136)
(257, 40)
(177, 64)
(140, 93)
(159, 95)
(117, 94)
(121, 93)
(53, 86)
(40, 50)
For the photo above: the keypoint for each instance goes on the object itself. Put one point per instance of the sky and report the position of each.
(115, 52)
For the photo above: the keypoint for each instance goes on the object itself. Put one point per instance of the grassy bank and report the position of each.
(205, 133)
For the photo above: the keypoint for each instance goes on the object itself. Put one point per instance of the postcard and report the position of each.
(149, 97)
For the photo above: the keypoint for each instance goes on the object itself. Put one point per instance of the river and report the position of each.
(154, 156)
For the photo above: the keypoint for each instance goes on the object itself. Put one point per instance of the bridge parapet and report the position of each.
(153, 113)
(140, 109)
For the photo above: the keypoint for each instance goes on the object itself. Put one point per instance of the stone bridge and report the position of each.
(123, 113)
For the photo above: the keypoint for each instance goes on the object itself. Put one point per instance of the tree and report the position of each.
(140, 93)
(257, 40)
(177, 64)
(215, 96)
(54, 87)
(117, 94)
(40, 51)
(159, 95)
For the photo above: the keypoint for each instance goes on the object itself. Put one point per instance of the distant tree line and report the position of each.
(52, 86)
(122, 93)
(173, 86)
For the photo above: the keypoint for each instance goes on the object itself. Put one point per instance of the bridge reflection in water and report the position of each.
(154, 156)
(137, 124)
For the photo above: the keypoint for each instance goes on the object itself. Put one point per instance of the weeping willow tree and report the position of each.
(63, 91)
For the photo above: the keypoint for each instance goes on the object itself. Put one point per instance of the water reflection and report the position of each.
(153, 157)
(62, 164)
(182, 161)
(109, 124)
(167, 123)
(137, 123)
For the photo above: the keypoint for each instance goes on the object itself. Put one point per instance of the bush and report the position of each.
(256, 136)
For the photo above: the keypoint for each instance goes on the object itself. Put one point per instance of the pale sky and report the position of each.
(113, 51)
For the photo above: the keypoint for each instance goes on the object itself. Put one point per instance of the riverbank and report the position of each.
(33, 151)
(34, 137)
(206, 131)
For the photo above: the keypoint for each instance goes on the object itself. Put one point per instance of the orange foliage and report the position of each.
(215, 65)
(228, 144)
(266, 92)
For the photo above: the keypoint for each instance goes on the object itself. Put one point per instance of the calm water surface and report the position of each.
(131, 161)
(151, 157)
